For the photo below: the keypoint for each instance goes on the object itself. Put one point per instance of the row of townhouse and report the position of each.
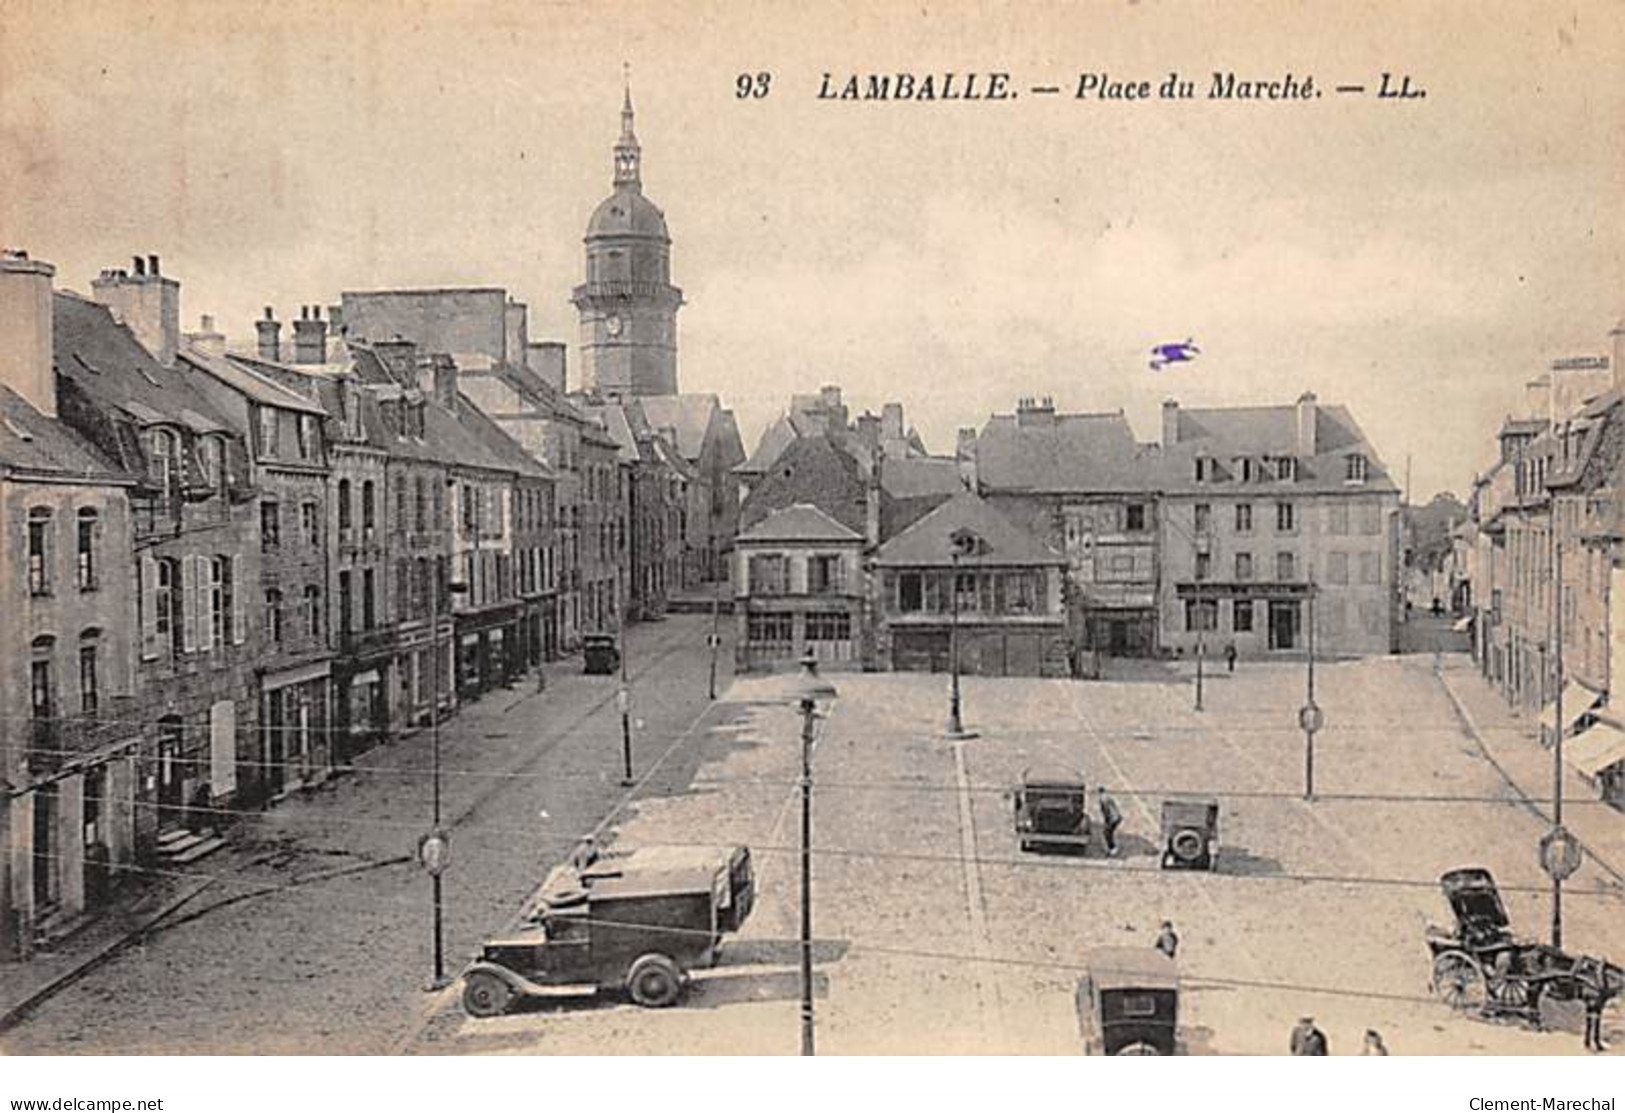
(229, 573)
(1541, 558)
(1243, 526)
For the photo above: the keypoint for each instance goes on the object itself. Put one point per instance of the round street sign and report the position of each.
(712, 641)
(434, 852)
(1559, 854)
(1311, 718)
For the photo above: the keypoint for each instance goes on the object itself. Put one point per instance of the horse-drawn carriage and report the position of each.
(1482, 966)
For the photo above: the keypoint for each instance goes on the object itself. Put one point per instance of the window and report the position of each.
(344, 509)
(1337, 518)
(1022, 593)
(268, 431)
(770, 628)
(368, 599)
(1204, 566)
(39, 551)
(220, 601)
(829, 627)
(401, 521)
(211, 456)
(345, 577)
(420, 503)
(469, 510)
(1354, 468)
(1337, 568)
(313, 611)
(768, 575)
(1244, 517)
(1369, 515)
(1241, 616)
(273, 615)
(1242, 467)
(1204, 518)
(1204, 469)
(42, 680)
(270, 525)
(307, 436)
(89, 680)
(439, 505)
(1244, 566)
(1370, 568)
(1285, 567)
(169, 612)
(910, 593)
(1285, 518)
(166, 460)
(823, 574)
(1134, 517)
(310, 524)
(1201, 614)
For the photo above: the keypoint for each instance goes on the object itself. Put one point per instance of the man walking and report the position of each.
(1230, 657)
(1110, 820)
(1168, 939)
(1307, 1039)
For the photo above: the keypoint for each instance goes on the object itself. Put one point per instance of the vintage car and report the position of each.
(600, 654)
(1128, 1002)
(1190, 833)
(1482, 966)
(637, 921)
(1050, 811)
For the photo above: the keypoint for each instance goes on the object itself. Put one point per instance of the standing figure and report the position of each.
(1111, 818)
(1373, 1043)
(1230, 656)
(1307, 1039)
(1168, 939)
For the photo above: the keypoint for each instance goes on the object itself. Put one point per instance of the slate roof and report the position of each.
(774, 440)
(248, 375)
(911, 477)
(1255, 431)
(687, 415)
(501, 450)
(800, 522)
(928, 541)
(33, 444)
(1086, 452)
(107, 366)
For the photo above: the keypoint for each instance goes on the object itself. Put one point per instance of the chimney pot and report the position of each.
(208, 323)
(140, 267)
(152, 265)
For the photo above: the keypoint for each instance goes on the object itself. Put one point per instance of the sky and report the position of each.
(1416, 260)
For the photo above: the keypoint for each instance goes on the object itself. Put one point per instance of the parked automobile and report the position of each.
(1190, 833)
(636, 921)
(1128, 1002)
(1050, 811)
(600, 654)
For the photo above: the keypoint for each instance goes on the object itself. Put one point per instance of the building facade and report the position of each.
(799, 587)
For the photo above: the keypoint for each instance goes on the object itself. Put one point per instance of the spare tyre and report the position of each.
(1187, 844)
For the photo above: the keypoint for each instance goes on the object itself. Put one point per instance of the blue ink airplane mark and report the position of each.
(1164, 354)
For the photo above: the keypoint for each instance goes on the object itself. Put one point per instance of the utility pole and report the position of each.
(1311, 718)
(623, 701)
(716, 639)
(1558, 834)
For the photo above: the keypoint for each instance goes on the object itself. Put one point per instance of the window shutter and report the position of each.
(205, 602)
(188, 589)
(239, 591)
(147, 571)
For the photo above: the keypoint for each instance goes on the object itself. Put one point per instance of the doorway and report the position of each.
(1284, 624)
(171, 781)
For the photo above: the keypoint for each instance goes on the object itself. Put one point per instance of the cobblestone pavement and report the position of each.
(937, 935)
(316, 935)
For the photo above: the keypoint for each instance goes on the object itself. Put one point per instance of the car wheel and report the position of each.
(654, 982)
(485, 994)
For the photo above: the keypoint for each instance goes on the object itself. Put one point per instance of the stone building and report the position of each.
(1263, 509)
(799, 586)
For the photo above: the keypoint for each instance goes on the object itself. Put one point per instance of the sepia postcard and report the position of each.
(706, 529)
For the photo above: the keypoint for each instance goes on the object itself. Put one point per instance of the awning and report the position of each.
(1577, 701)
(1462, 624)
(1596, 749)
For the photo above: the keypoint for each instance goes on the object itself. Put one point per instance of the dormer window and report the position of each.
(268, 431)
(1244, 468)
(164, 447)
(1204, 469)
(211, 452)
(1355, 468)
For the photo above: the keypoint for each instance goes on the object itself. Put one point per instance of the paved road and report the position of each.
(937, 935)
(269, 961)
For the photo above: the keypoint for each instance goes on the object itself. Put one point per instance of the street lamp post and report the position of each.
(1555, 866)
(434, 848)
(716, 639)
(623, 703)
(1311, 718)
(808, 690)
(956, 726)
(1201, 643)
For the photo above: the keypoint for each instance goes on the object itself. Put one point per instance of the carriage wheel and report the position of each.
(1511, 993)
(1458, 981)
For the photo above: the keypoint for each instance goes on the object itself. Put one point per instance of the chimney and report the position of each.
(545, 360)
(871, 500)
(965, 453)
(1170, 422)
(207, 338)
(310, 336)
(25, 330)
(1618, 337)
(148, 304)
(1307, 417)
(868, 429)
(400, 358)
(270, 333)
(1538, 398)
(891, 421)
(335, 320)
(443, 380)
(1034, 412)
(515, 331)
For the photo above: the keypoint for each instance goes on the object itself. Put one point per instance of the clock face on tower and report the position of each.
(613, 325)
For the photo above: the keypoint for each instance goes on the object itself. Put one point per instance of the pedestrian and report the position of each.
(1594, 993)
(1230, 656)
(1168, 939)
(1110, 820)
(541, 679)
(1307, 1039)
(1373, 1043)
